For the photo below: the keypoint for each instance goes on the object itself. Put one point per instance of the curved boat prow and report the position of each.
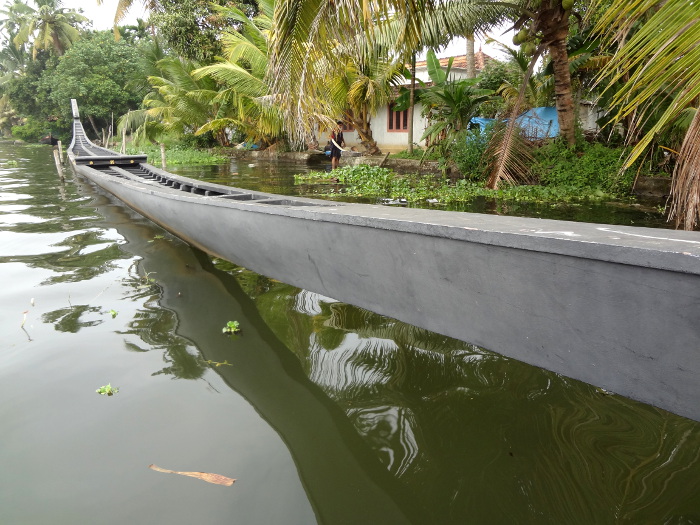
(74, 107)
(83, 151)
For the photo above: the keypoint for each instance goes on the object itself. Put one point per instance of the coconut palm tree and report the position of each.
(50, 27)
(244, 91)
(544, 26)
(659, 60)
(361, 87)
(13, 15)
(13, 60)
(8, 116)
(177, 103)
(303, 25)
(124, 6)
(304, 29)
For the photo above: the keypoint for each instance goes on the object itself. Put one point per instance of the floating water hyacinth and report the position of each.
(107, 390)
(232, 327)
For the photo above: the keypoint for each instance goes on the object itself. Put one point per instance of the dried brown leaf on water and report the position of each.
(217, 479)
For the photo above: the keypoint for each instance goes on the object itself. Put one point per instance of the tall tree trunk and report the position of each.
(566, 113)
(94, 127)
(362, 125)
(471, 57)
(412, 102)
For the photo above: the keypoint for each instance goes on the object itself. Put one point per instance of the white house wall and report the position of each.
(388, 141)
(395, 141)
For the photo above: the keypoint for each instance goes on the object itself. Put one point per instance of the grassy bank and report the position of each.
(591, 173)
(177, 155)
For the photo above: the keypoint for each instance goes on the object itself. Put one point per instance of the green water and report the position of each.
(324, 413)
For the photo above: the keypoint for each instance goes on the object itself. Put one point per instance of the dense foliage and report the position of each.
(278, 72)
(563, 175)
(95, 72)
(191, 28)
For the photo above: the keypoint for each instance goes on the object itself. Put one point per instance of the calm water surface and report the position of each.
(325, 413)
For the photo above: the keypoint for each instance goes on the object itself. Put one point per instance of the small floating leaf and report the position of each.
(113, 313)
(232, 327)
(217, 479)
(107, 390)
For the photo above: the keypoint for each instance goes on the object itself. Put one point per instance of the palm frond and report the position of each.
(685, 186)
(509, 155)
(661, 57)
(232, 75)
(304, 29)
(238, 48)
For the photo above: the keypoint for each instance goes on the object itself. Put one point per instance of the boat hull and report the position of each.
(621, 316)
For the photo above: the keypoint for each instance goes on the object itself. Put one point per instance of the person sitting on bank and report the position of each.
(337, 143)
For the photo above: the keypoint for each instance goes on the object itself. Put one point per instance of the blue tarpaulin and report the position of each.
(538, 123)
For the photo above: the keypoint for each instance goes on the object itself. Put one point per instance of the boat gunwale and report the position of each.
(647, 247)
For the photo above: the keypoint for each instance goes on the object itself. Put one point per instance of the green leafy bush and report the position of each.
(468, 153)
(592, 167)
(31, 131)
(205, 140)
(591, 173)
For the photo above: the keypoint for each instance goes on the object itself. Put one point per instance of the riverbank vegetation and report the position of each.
(178, 154)
(223, 73)
(562, 174)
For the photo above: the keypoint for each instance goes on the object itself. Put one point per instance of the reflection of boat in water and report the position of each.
(340, 474)
(612, 306)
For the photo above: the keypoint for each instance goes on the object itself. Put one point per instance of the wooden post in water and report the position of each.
(384, 160)
(162, 155)
(57, 160)
(59, 146)
(125, 125)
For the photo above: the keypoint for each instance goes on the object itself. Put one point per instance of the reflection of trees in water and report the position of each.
(378, 369)
(62, 211)
(155, 326)
(74, 266)
(390, 433)
(69, 319)
(481, 436)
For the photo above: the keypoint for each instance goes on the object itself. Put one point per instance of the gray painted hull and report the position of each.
(613, 306)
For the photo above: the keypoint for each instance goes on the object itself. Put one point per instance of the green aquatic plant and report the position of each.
(11, 164)
(147, 279)
(232, 327)
(218, 363)
(113, 313)
(107, 390)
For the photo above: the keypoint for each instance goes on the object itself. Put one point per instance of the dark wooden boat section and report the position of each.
(614, 306)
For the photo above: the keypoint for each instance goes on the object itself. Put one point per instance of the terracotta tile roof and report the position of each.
(460, 61)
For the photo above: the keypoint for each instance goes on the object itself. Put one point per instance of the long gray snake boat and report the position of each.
(614, 306)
